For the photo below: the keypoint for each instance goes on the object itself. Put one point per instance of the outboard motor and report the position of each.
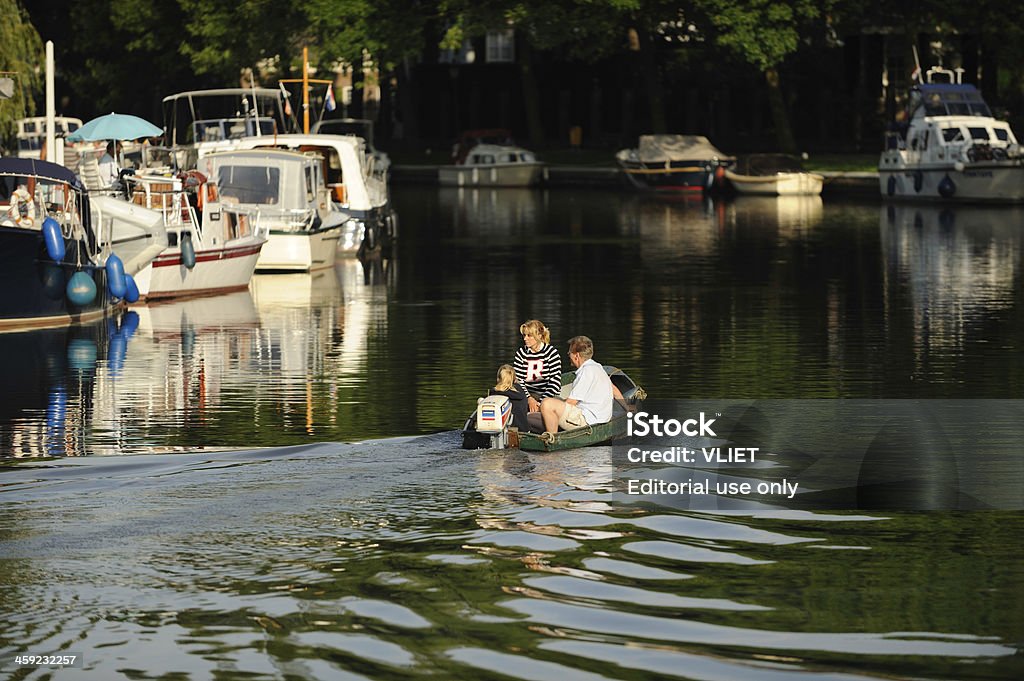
(493, 414)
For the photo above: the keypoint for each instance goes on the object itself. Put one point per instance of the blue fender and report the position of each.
(115, 276)
(81, 289)
(131, 293)
(54, 239)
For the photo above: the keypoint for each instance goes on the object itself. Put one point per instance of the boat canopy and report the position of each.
(30, 167)
(952, 99)
(661, 148)
(211, 115)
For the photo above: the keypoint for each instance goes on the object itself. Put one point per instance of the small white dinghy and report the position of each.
(773, 175)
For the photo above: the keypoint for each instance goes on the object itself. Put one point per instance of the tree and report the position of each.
(763, 33)
(22, 57)
(390, 32)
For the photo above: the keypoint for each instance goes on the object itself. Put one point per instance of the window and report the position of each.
(501, 47)
(249, 184)
(952, 134)
(978, 134)
(1002, 134)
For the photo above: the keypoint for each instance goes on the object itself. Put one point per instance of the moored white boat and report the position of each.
(200, 122)
(951, 148)
(348, 189)
(778, 184)
(285, 192)
(211, 247)
(489, 158)
(31, 134)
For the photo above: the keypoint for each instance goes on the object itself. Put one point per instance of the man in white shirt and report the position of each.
(110, 167)
(590, 396)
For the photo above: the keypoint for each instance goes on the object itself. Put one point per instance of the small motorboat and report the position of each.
(489, 158)
(673, 163)
(491, 425)
(773, 175)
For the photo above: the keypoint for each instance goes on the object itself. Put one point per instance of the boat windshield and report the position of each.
(954, 100)
(215, 130)
(249, 184)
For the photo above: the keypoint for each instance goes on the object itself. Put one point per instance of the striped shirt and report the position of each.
(540, 372)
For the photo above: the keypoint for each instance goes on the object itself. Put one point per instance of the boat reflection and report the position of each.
(200, 373)
(364, 305)
(791, 216)
(670, 230)
(51, 384)
(184, 357)
(958, 264)
(667, 229)
(504, 211)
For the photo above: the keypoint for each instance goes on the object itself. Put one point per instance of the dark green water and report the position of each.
(403, 558)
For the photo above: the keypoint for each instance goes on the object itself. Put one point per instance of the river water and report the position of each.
(269, 484)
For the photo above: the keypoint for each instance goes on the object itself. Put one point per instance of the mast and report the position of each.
(305, 80)
(51, 115)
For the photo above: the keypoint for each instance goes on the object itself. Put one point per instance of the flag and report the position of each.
(287, 103)
(329, 101)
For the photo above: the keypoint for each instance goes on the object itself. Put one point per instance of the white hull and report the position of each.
(947, 146)
(496, 175)
(779, 184)
(216, 270)
(997, 182)
(299, 251)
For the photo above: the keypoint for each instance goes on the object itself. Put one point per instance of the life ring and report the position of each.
(22, 210)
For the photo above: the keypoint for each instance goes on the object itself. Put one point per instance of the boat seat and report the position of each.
(89, 171)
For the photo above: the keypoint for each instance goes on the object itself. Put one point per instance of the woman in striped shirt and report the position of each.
(537, 363)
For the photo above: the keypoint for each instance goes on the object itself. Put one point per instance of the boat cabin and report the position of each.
(490, 154)
(950, 120)
(285, 187)
(32, 133)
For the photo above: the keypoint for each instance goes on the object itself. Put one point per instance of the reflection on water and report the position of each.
(792, 216)
(961, 266)
(752, 298)
(49, 387)
(401, 558)
(490, 212)
(201, 372)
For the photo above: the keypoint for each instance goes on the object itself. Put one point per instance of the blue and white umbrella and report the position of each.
(115, 126)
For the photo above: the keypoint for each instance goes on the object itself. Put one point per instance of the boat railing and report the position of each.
(240, 222)
(938, 74)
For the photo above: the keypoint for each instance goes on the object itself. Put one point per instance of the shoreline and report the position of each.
(837, 182)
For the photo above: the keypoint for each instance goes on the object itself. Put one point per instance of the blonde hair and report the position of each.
(537, 328)
(506, 377)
